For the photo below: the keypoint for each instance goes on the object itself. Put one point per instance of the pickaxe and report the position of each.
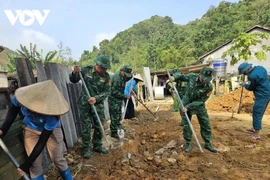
(13, 159)
(156, 118)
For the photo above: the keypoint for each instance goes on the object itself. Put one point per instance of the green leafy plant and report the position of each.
(242, 48)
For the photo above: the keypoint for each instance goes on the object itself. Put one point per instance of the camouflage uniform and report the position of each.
(116, 98)
(194, 101)
(181, 88)
(99, 87)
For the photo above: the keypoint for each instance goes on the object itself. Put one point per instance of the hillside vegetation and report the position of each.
(158, 42)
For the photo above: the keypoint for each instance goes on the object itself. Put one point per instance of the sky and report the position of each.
(82, 24)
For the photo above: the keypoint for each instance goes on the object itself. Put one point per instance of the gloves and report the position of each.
(171, 78)
(1, 133)
(246, 83)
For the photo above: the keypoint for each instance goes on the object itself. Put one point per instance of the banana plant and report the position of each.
(11, 65)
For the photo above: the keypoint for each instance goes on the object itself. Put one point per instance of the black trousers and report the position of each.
(130, 109)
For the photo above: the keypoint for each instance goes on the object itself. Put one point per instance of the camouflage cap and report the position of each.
(103, 61)
(127, 70)
(175, 70)
(242, 68)
(207, 74)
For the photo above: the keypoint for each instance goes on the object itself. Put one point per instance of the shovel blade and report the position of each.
(121, 133)
(157, 109)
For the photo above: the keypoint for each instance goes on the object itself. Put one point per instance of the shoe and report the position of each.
(101, 150)
(251, 130)
(86, 154)
(254, 137)
(209, 147)
(188, 146)
(115, 135)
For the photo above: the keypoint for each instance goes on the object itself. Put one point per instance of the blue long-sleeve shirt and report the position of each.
(129, 84)
(259, 82)
(37, 122)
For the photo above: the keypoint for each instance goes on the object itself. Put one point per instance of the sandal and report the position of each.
(251, 130)
(254, 137)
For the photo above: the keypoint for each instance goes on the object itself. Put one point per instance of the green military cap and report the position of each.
(207, 74)
(127, 70)
(103, 61)
(175, 70)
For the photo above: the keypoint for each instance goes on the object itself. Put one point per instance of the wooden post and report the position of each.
(25, 75)
(41, 75)
(241, 97)
(217, 86)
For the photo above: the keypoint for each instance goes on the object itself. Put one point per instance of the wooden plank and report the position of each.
(16, 147)
(41, 75)
(59, 74)
(8, 171)
(73, 91)
(25, 75)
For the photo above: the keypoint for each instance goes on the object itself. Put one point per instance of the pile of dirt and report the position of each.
(229, 102)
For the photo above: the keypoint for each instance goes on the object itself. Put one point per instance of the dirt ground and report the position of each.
(137, 156)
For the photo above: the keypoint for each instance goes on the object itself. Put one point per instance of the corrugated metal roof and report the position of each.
(184, 70)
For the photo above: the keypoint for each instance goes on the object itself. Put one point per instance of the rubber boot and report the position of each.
(41, 177)
(66, 174)
(188, 146)
(86, 153)
(101, 149)
(209, 147)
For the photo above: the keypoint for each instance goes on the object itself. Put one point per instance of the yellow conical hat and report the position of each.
(43, 98)
(139, 77)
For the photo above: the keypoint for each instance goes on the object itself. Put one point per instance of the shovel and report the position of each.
(95, 110)
(156, 118)
(13, 159)
(188, 120)
(121, 132)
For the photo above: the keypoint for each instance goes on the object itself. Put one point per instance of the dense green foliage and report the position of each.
(242, 47)
(159, 43)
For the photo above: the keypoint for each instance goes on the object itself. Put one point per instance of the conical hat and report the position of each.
(43, 98)
(138, 77)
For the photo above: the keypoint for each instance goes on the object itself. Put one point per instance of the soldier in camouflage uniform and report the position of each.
(117, 96)
(181, 88)
(180, 85)
(198, 91)
(98, 83)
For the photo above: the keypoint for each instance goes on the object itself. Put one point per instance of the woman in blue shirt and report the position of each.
(41, 105)
(130, 107)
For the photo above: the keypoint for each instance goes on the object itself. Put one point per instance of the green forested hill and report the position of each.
(157, 42)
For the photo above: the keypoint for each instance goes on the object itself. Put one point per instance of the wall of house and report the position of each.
(234, 69)
(3, 80)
